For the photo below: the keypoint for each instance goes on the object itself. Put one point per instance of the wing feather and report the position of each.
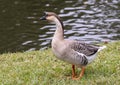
(84, 48)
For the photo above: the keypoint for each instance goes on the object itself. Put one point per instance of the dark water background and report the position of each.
(93, 21)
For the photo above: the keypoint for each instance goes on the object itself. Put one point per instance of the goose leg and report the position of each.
(73, 72)
(81, 74)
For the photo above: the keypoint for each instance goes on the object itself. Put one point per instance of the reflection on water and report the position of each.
(92, 21)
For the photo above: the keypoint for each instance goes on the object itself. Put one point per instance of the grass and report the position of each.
(42, 68)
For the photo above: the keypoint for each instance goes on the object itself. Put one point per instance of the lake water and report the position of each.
(92, 21)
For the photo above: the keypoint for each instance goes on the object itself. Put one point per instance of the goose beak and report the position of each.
(43, 18)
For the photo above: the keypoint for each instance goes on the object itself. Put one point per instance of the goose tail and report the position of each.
(91, 58)
(101, 48)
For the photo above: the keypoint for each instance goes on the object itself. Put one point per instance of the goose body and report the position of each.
(75, 52)
(72, 51)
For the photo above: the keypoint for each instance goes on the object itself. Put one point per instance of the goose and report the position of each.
(75, 52)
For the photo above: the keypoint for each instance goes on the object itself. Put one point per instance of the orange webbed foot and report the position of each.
(74, 78)
(81, 74)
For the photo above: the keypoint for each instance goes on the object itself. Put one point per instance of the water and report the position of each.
(92, 21)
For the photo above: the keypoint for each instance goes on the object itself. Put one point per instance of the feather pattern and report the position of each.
(81, 58)
(84, 48)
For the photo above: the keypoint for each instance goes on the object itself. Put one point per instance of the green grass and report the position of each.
(42, 68)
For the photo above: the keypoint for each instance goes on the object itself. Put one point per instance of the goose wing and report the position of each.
(84, 48)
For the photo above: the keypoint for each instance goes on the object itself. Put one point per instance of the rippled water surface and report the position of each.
(92, 21)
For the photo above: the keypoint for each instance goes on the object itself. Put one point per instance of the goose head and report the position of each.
(50, 16)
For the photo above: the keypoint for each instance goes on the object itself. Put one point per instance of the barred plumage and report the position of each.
(84, 48)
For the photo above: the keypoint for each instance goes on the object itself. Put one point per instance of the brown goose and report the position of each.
(72, 51)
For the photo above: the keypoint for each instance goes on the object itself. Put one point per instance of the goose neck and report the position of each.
(59, 33)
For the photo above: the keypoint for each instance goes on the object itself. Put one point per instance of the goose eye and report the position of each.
(47, 15)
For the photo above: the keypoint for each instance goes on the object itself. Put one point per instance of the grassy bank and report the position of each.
(42, 68)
